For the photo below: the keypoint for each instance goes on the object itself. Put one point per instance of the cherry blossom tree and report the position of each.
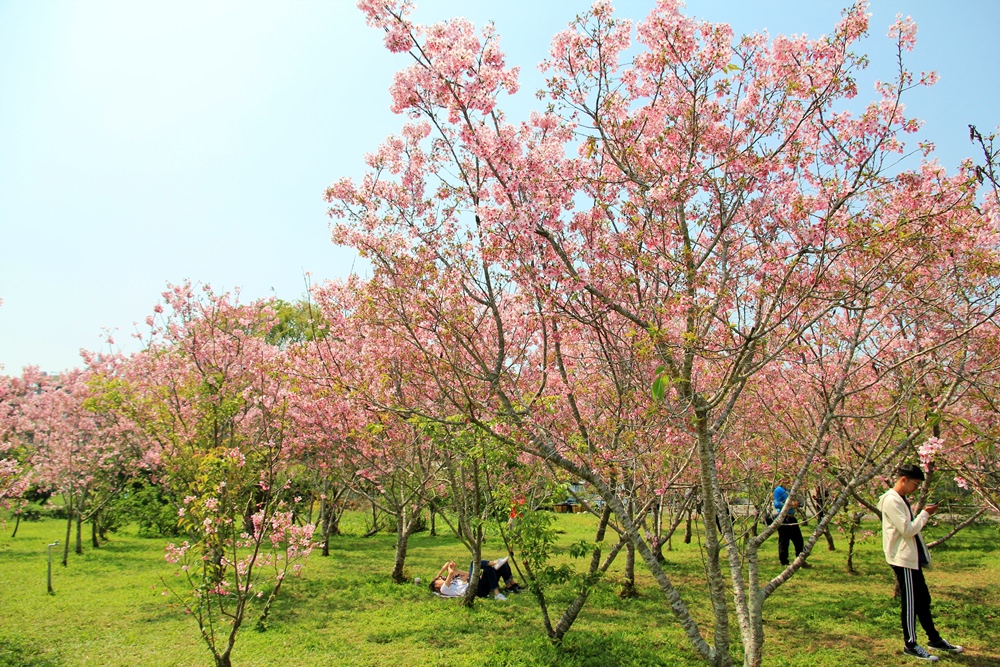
(16, 437)
(322, 420)
(81, 451)
(318, 444)
(214, 394)
(722, 205)
(406, 453)
(395, 468)
(963, 443)
(386, 457)
(989, 171)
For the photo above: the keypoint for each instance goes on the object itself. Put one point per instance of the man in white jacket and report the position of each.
(906, 553)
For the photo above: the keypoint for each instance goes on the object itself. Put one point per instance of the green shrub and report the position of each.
(153, 510)
(31, 514)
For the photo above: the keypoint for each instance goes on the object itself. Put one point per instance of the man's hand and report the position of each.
(931, 509)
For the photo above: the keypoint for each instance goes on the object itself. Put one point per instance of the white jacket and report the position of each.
(899, 532)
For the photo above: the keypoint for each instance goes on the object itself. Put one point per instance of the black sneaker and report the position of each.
(919, 652)
(942, 645)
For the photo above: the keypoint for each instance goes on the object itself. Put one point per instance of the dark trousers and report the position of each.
(916, 604)
(789, 531)
(489, 578)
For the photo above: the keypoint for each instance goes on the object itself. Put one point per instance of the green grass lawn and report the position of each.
(109, 609)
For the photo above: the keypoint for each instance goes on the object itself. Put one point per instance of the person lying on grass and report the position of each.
(450, 582)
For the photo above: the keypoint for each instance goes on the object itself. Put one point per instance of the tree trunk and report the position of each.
(69, 533)
(593, 575)
(404, 527)
(753, 651)
(628, 586)
(712, 504)
(718, 656)
(329, 523)
(830, 546)
(93, 532)
(17, 524)
(79, 534)
(375, 526)
(850, 550)
(676, 521)
(657, 531)
(477, 556)
(536, 589)
(851, 540)
(266, 611)
(334, 527)
(820, 498)
(324, 537)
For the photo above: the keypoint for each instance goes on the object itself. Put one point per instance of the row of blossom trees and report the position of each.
(716, 213)
(699, 269)
(247, 435)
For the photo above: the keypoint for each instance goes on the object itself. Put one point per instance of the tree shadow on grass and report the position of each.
(312, 598)
(118, 554)
(19, 653)
(973, 552)
(580, 649)
(991, 659)
(349, 544)
(10, 556)
(163, 612)
(129, 546)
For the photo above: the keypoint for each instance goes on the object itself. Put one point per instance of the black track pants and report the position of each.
(916, 604)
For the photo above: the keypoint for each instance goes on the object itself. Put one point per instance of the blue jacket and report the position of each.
(780, 496)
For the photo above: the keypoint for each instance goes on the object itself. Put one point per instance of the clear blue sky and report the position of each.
(151, 142)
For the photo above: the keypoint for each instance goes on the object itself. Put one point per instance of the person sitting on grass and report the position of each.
(450, 582)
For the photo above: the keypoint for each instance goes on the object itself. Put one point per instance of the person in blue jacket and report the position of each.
(788, 530)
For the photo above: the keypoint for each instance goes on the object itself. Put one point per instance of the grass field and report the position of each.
(109, 609)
